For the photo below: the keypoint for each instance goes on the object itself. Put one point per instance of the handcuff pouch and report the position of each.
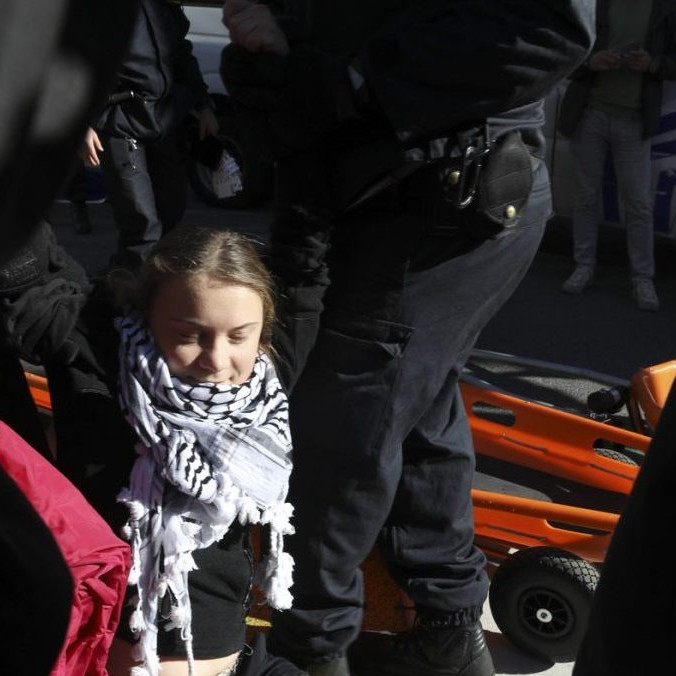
(487, 186)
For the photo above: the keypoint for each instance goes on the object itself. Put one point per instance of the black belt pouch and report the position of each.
(503, 185)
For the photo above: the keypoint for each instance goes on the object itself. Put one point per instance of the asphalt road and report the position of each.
(601, 330)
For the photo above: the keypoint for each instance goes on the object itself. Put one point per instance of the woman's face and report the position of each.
(207, 332)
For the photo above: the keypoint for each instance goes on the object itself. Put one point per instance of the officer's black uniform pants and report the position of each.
(146, 186)
(383, 449)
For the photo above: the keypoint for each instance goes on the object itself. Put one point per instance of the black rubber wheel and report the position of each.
(615, 455)
(540, 599)
(238, 140)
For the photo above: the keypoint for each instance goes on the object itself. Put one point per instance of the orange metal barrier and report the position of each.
(39, 391)
(650, 387)
(551, 440)
(535, 436)
(513, 522)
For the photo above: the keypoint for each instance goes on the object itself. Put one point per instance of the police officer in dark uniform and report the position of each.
(135, 139)
(411, 198)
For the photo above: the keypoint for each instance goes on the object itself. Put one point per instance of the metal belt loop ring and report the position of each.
(472, 161)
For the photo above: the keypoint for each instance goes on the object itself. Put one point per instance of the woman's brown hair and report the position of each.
(223, 256)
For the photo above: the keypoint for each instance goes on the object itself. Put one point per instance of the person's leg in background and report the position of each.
(166, 167)
(131, 195)
(589, 148)
(631, 156)
(401, 313)
(76, 193)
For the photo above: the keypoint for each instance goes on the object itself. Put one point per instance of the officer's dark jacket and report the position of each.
(660, 44)
(435, 65)
(161, 72)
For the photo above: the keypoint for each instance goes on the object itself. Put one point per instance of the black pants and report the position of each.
(146, 185)
(75, 189)
(383, 449)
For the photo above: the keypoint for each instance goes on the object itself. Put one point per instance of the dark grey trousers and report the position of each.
(383, 451)
(147, 187)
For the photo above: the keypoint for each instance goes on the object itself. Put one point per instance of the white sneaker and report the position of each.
(581, 278)
(645, 295)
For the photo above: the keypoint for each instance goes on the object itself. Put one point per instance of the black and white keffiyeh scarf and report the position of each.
(208, 455)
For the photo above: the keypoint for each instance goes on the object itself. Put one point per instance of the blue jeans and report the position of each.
(382, 446)
(596, 134)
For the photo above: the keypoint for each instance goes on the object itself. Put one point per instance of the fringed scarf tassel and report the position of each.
(274, 574)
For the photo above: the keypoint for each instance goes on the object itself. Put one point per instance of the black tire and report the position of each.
(615, 455)
(540, 598)
(238, 140)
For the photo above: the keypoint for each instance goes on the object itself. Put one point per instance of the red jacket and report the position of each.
(97, 559)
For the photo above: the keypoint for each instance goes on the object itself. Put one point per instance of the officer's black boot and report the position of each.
(435, 647)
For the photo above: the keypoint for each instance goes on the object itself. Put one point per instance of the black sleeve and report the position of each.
(442, 64)
(187, 70)
(96, 446)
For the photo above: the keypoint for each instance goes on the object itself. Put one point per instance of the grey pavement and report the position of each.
(601, 330)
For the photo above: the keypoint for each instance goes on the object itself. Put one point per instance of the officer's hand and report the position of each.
(253, 27)
(637, 60)
(604, 60)
(91, 149)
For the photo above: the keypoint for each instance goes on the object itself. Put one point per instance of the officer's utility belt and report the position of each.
(484, 183)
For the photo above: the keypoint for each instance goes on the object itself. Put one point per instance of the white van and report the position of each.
(208, 36)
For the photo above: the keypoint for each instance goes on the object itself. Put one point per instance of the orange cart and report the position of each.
(549, 487)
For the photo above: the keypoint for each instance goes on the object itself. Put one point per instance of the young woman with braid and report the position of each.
(199, 388)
